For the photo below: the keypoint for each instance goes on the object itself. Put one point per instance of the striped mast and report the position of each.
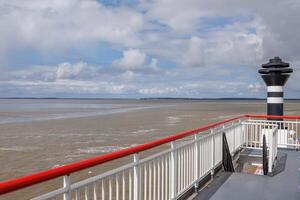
(275, 73)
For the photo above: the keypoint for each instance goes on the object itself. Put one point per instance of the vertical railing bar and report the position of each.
(103, 185)
(192, 165)
(201, 157)
(233, 136)
(259, 135)
(270, 150)
(293, 124)
(181, 151)
(184, 167)
(213, 155)
(297, 130)
(173, 170)
(244, 129)
(77, 194)
(110, 188)
(67, 185)
(252, 135)
(255, 135)
(139, 182)
(130, 183)
(158, 178)
(245, 135)
(296, 134)
(205, 154)
(95, 184)
(145, 181)
(248, 135)
(188, 165)
(117, 187)
(123, 185)
(179, 172)
(196, 155)
(86, 192)
(150, 180)
(154, 180)
(188, 160)
(163, 177)
(167, 175)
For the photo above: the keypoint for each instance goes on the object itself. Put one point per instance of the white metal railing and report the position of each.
(254, 130)
(287, 131)
(165, 175)
(173, 171)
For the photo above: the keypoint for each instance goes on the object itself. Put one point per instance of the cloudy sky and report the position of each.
(145, 48)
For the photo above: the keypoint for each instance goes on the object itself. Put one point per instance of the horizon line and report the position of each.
(146, 98)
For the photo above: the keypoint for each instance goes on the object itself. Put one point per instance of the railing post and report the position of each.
(212, 154)
(136, 178)
(196, 159)
(296, 135)
(173, 170)
(271, 135)
(240, 130)
(243, 135)
(276, 141)
(233, 136)
(67, 185)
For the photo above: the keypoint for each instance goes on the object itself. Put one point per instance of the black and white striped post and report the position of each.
(275, 73)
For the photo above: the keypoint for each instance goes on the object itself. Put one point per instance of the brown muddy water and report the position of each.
(43, 134)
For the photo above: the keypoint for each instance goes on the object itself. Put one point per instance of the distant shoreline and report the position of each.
(150, 98)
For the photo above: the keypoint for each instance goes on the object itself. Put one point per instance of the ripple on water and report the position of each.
(19, 149)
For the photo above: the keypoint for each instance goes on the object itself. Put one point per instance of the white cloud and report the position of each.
(179, 15)
(256, 87)
(194, 56)
(230, 47)
(128, 75)
(56, 25)
(77, 70)
(132, 59)
(153, 63)
(253, 33)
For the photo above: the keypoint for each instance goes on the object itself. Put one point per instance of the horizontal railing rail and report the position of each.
(273, 116)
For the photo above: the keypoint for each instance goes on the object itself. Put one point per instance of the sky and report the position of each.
(145, 48)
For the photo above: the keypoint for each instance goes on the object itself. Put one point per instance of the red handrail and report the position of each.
(273, 116)
(25, 181)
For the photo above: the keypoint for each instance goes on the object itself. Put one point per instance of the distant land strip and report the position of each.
(148, 98)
